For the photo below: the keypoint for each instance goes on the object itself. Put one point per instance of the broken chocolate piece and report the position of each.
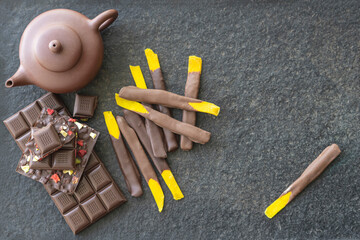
(84, 106)
(47, 139)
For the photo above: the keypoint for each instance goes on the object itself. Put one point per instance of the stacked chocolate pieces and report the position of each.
(58, 152)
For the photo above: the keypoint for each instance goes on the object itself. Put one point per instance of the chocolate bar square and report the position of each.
(91, 163)
(83, 190)
(64, 202)
(64, 159)
(70, 144)
(31, 113)
(76, 219)
(47, 139)
(16, 125)
(45, 163)
(93, 208)
(84, 106)
(99, 178)
(111, 197)
(21, 141)
(50, 101)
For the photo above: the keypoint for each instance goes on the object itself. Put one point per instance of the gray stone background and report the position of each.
(286, 75)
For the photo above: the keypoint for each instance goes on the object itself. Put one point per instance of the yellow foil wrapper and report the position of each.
(157, 193)
(130, 105)
(276, 206)
(195, 64)
(205, 107)
(111, 124)
(138, 77)
(152, 59)
(172, 184)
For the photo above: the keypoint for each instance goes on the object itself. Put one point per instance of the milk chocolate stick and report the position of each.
(156, 136)
(191, 90)
(159, 83)
(155, 133)
(309, 175)
(127, 165)
(142, 161)
(195, 134)
(165, 98)
(136, 122)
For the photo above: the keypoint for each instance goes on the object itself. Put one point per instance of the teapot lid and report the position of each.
(57, 48)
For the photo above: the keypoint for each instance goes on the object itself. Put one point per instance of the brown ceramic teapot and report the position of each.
(61, 50)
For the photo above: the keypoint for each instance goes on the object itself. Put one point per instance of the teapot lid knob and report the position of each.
(55, 46)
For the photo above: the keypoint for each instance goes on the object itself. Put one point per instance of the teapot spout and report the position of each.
(18, 79)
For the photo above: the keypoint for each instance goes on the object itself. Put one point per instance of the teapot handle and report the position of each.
(103, 20)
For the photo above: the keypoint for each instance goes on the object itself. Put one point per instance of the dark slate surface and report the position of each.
(286, 75)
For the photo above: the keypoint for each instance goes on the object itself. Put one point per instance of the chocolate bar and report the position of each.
(195, 134)
(110, 195)
(165, 98)
(67, 179)
(191, 90)
(19, 124)
(126, 162)
(159, 83)
(84, 106)
(96, 196)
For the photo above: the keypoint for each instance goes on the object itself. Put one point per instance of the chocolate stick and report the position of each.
(309, 175)
(136, 122)
(191, 90)
(155, 133)
(195, 134)
(159, 83)
(142, 161)
(127, 165)
(165, 98)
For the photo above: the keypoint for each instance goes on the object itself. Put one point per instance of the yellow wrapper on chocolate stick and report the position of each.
(111, 124)
(152, 58)
(130, 105)
(195, 64)
(172, 184)
(157, 193)
(138, 77)
(277, 205)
